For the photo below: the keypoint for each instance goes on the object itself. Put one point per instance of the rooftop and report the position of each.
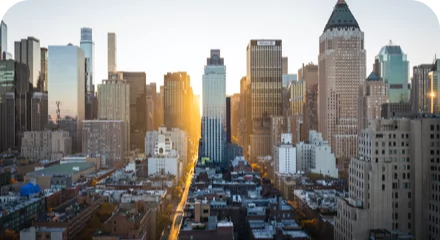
(67, 168)
(341, 17)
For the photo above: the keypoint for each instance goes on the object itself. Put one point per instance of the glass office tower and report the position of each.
(393, 67)
(88, 46)
(66, 85)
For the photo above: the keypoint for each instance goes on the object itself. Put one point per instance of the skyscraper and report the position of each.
(214, 107)
(114, 103)
(151, 107)
(15, 103)
(43, 74)
(341, 72)
(138, 106)
(67, 87)
(421, 88)
(392, 66)
(88, 46)
(309, 74)
(285, 66)
(176, 88)
(264, 83)
(3, 40)
(111, 52)
(434, 95)
(39, 111)
(28, 51)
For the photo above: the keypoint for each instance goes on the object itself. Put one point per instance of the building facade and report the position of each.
(392, 66)
(264, 91)
(114, 103)
(88, 46)
(105, 138)
(39, 111)
(111, 52)
(372, 95)
(28, 51)
(3, 40)
(421, 88)
(67, 87)
(43, 74)
(46, 145)
(214, 107)
(309, 74)
(341, 72)
(434, 76)
(285, 155)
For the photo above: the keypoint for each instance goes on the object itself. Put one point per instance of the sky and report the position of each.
(173, 35)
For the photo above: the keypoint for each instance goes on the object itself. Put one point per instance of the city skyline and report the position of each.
(158, 46)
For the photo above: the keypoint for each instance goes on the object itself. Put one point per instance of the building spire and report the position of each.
(341, 2)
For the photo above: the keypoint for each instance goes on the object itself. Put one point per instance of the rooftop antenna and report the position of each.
(391, 43)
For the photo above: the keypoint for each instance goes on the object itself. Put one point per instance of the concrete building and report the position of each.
(389, 187)
(105, 138)
(68, 172)
(114, 103)
(341, 71)
(3, 40)
(297, 97)
(316, 156)
(372, 94)
(285, 66)
(111, 52)
(46, 145)
(176, 88)
(397, 110)
(43, 233)
(392, 66)
(285, 155)
(309, 74)
(28, 51)
(39, 111)
(235, 117)
(67, 87)
(214, 108)
(264, 85)
(288, 78)
(177, 136)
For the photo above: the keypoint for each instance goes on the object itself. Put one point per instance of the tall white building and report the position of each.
(114, 103)
(46, 145)
(165, 159)
(316, 156)
(285, 155)
(177, 136)
(214, 108)
(393, 182)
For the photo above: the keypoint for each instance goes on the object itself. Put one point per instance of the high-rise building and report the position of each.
(176, 88)
(114, 103)
(285, 67)
(228, 120)
(138, 106)
(39, 111)
(43, 74)
(264, 83)
(105, 138)
(67, 87)
(341, 72)
(214, 107)
(3, 40)
(434, 95)
(88, 46)
(15, 101)
(392, 181)
(372, 95)
(309, 74)
(46, 145)
(28, 51)
(151, 107)
(421, 88)
(297, 97)
(235, 117)
(285, 155)
(392, 66)
(244, 124)
(111, 52)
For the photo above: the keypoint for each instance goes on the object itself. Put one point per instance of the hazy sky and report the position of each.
(174, 35)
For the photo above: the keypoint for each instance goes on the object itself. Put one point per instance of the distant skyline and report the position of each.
(170, 36)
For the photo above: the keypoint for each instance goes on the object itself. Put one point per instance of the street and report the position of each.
(178, 216)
